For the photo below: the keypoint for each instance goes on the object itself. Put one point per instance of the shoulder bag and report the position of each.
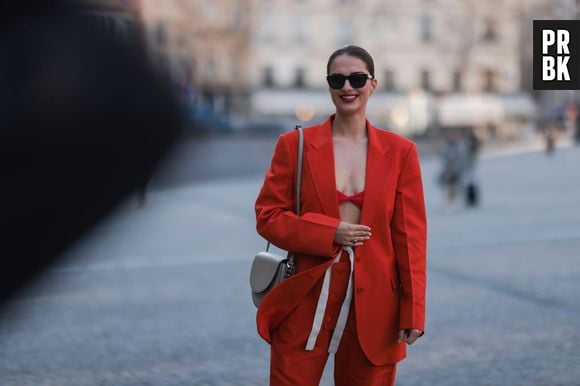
(269, 269)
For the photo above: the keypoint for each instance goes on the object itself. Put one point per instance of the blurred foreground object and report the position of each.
(84, 119)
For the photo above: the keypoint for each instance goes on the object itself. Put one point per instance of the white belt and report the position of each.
(321, 307)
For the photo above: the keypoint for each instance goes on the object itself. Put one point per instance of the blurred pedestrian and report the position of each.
(550, 134)
(359, 241)
(454, 162)
(469, 179)
(576, 127)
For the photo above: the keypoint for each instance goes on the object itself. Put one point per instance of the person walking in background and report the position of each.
(576, 127)
(454, 162)
(550, 134)
(471, 185)
(359, 242)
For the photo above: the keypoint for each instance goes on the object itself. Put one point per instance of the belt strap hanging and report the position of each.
(321, 307)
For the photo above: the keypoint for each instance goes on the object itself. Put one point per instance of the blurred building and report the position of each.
(552, 104)
(203, 47)
(438, 46)
(439, 63)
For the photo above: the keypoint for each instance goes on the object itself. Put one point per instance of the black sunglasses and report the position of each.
(356, 80)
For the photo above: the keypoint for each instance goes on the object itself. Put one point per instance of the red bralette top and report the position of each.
(356, 199)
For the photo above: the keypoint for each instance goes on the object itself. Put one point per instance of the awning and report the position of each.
(461, 110)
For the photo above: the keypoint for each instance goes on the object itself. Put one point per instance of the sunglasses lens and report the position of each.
(357, 80)
(336, 81)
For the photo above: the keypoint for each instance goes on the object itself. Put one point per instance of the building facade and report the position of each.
(438, 62)
(551, 102)
(436, 45)
(203, 46)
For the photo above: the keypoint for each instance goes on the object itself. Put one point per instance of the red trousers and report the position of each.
(292, 365)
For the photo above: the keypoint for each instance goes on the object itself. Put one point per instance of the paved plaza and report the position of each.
(160, 295)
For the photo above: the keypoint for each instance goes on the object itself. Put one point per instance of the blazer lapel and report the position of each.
(320, 157)
(379, 168)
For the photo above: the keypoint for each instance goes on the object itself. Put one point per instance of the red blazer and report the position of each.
(390, 268)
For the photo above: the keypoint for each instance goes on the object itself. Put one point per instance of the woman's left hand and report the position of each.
(409, 335)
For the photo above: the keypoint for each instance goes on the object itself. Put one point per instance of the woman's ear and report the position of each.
(374, 83)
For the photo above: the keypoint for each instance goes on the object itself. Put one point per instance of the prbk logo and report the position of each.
(556, 54)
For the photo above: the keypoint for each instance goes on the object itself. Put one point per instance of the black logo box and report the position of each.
(573, 27)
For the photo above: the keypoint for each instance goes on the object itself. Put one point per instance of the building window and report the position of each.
(426, 29)
(210, 12)
(489, 81)
(457, 78)
(300, 29)
(490, 31)
(344, 32)
(237, 18)
(267, 29)
(299, 78)
(268, 79)
(212, 72)
(425, 80)
(389, 81)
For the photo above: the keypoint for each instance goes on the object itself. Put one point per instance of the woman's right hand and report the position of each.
(351, 235)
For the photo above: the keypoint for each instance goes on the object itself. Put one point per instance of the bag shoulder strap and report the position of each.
(299, 168)
(298, 175)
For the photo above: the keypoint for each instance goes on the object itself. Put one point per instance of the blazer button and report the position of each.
(359, 290)
(329, 318)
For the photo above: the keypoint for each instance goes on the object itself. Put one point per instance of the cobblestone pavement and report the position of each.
(159, 296)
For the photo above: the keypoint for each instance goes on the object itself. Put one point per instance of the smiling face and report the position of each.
(349, 100)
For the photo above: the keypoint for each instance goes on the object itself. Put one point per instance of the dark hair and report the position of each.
(357, 52)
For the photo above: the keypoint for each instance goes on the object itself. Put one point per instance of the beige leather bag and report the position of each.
(269, 269)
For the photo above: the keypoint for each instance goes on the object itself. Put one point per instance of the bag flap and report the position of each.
(263, 270)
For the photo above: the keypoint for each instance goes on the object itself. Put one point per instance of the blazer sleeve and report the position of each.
(308, 233)
(409, 234)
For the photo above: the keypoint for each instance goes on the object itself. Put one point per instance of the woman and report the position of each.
(360, 242)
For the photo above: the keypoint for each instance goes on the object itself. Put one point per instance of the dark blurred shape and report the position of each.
(550, 133)
(84, 119)
(472, 191)
(576, 123)
(201, 118)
